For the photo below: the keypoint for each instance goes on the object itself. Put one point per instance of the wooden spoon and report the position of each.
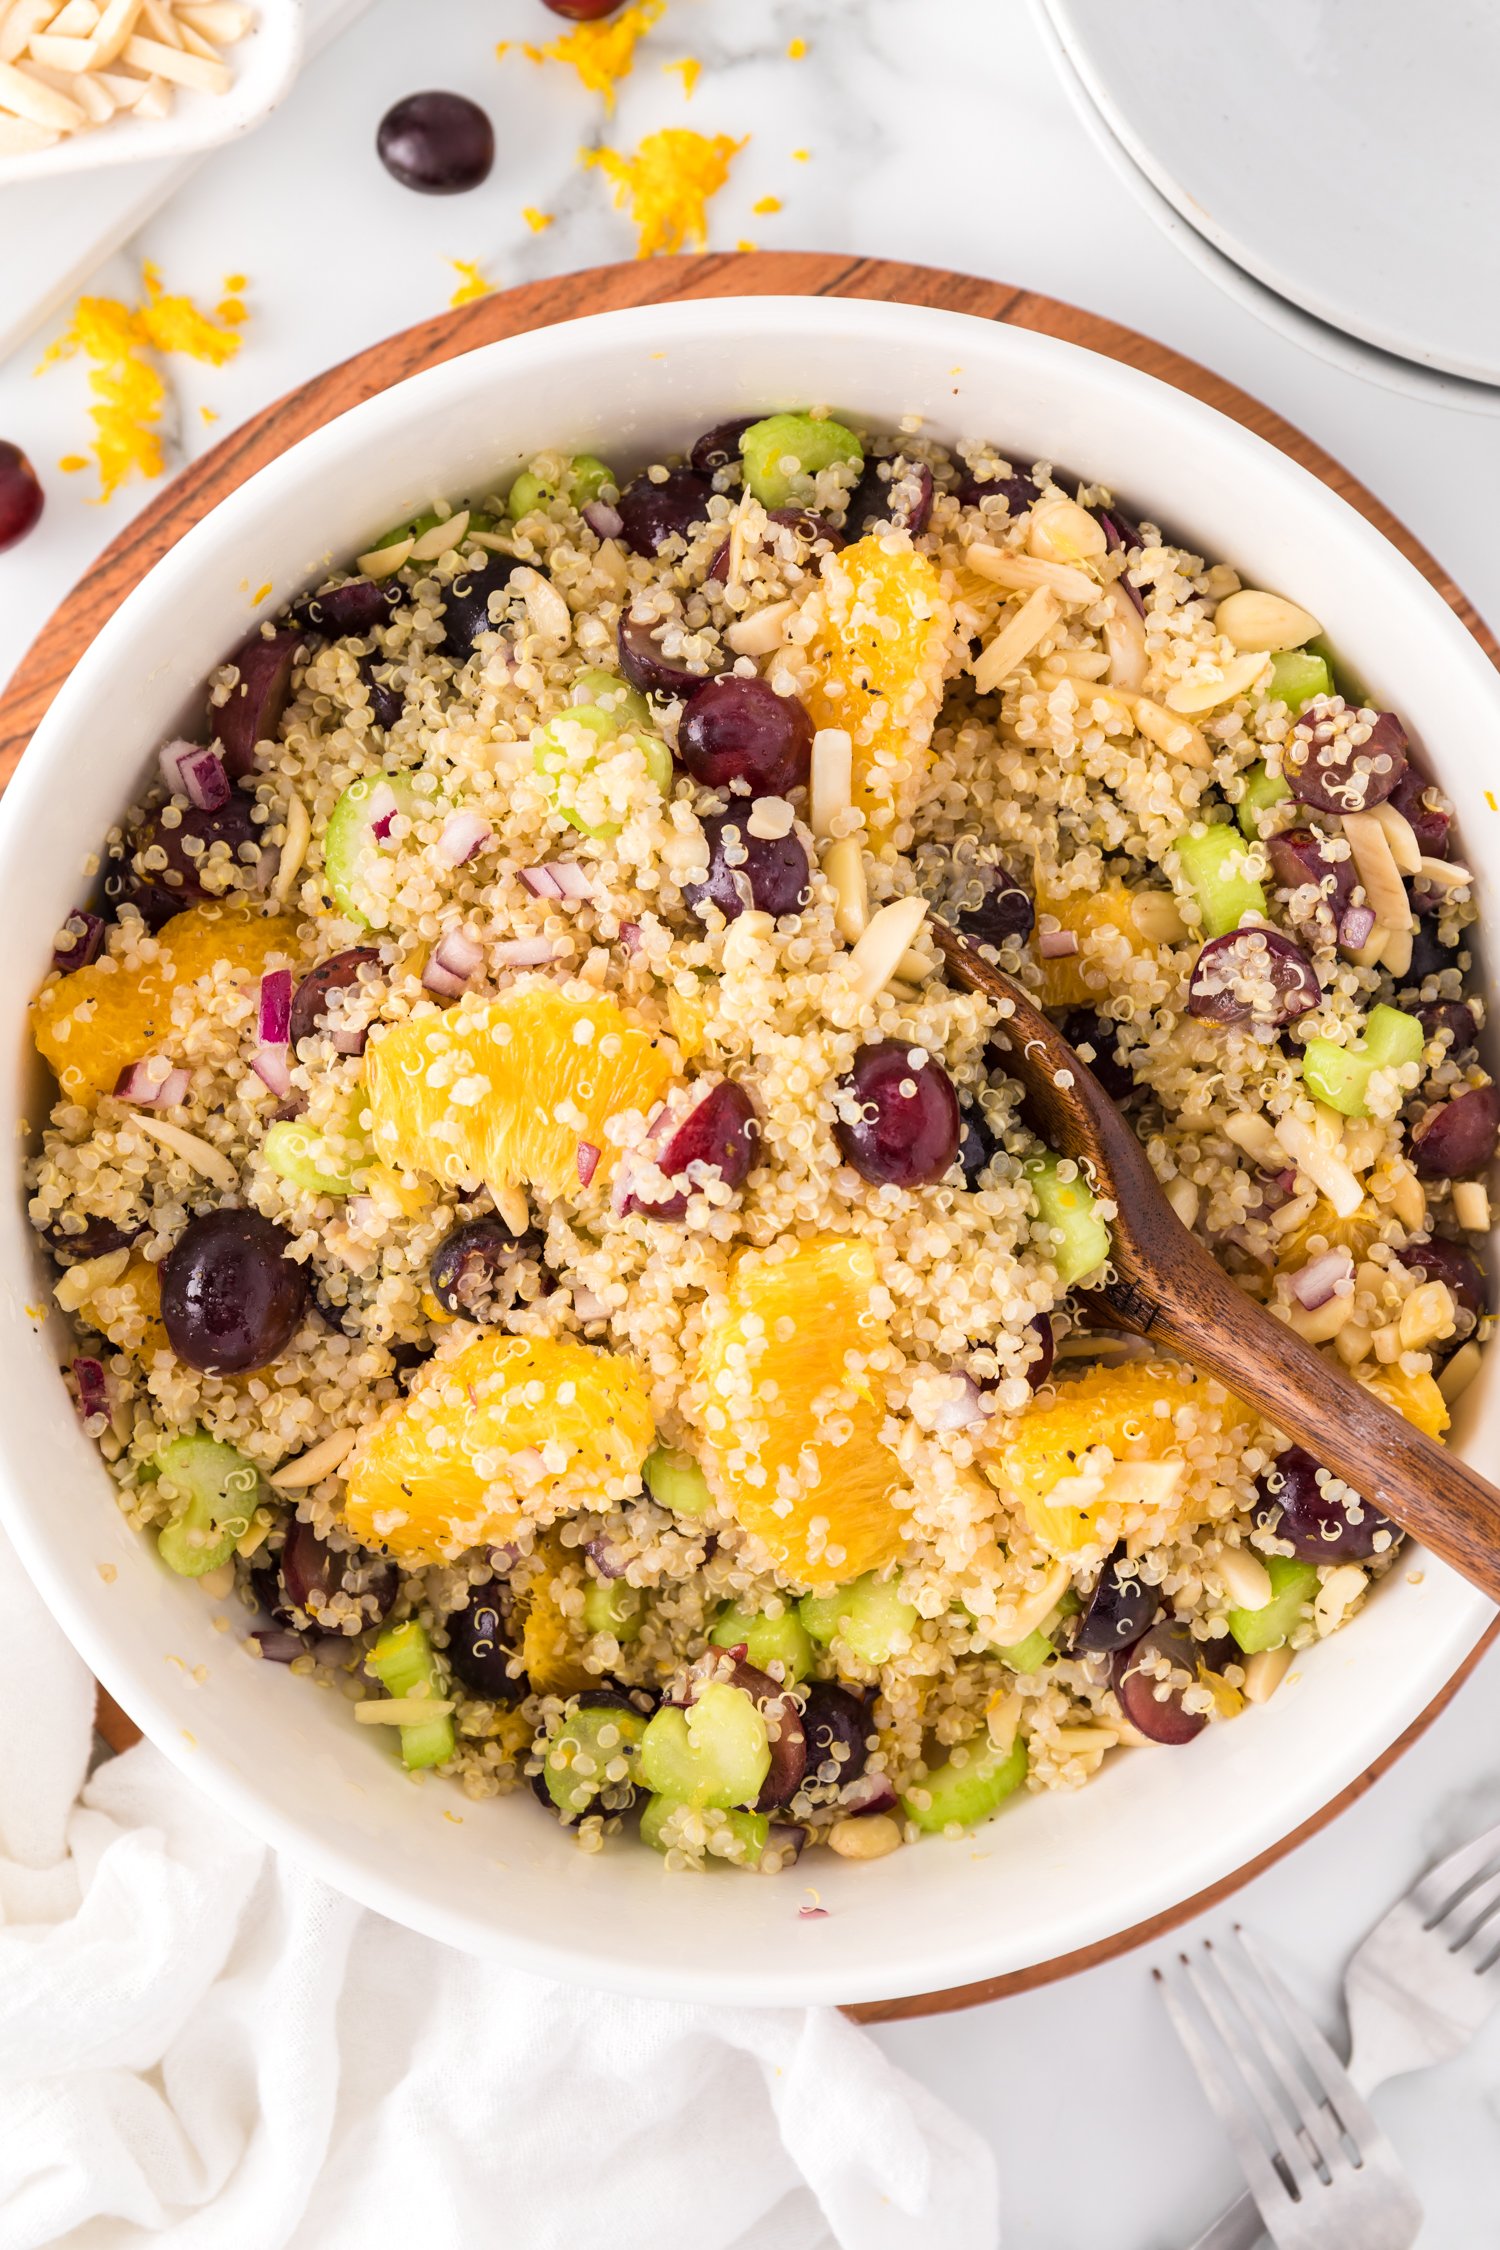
(1168, 1287)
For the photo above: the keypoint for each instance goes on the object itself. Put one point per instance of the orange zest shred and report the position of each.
(121, 344)
(689, 70)
(796, 50)
(667, 184)
(602, 53)
(766, 205)
(745, 243)
(471, 283)
(538, 221)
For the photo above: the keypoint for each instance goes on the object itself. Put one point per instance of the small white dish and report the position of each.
(1351, 166)
(1332, 345)
(265, 65)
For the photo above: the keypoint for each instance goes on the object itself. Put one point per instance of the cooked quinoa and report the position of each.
(562, 1268)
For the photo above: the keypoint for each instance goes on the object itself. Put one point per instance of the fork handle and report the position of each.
(1421, 1486)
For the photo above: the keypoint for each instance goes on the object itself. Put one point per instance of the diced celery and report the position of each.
(808, 443)
(350, 836)
(613, 1605)
(783, 1641)
(674, 1480)
(1070, 1207)
(1216, 863)
(870, 1616)
(1028, 1655)
(404, 1663)
(972, 1785)
(1262, 790)
(1293, 1585)
(715, 1753)
(586, 478)
(608, 692)
(748, 1832)
(558, 754)
(1393, 1037)
(318, 1162)
(219, 1491)
(658, 761)
(578, 1743)
(1298, 678)
(1340, 1076)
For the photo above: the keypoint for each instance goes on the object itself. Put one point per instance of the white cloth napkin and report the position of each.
(204, 2048)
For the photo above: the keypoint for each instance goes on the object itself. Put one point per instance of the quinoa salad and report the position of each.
(555, 1260)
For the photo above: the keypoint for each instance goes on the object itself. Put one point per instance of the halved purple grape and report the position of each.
(1454, 1017)
(97, 1238)
(1093, 1039)
(769, 873)
(1457, 1139)
(907, 1132)
(194, 871)
(1040, 1368)
(720, 445)
(1448, 1262)
(1122, 532)
(788, 1737)
(257, 699)
(466, 604)
(310, 1000)
(21, 496)
(480, 1651)
(437, 143)
(231, 1297)
(740, 734)
(1430, 953)
(1119, 1612)
(1018, 492)
(809, 527)
(1429, 824)
(1252, 976)
(1150, 1699)
(722, 1131)
(1328, 769)
(874, 499)
(837, 1724)
(1298, 858)
(582, 11)
(645, 667)
(993, 906)
(1316, 1526)
(386, 702)
(652, 513)
(978, 1142)
(358, 606)
(306, 1566)
(473, 1269)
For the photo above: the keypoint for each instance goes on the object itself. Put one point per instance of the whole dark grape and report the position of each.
(231, 1298)
(466, 604)
(720, 445)
(309, 1571)
(646, 666)
(1429, 955)
(773, 870)
(336, 974)
(21, 496)
(907, 1132)
(358, 606)
(194, 871)
(1019, 493)
(1454, 1017)
(1041, 1367)
(1457, 1138)
(1318, 1527)
(741, 734)
(1298, 859)
(1120, 1609)
(873, 500)
(437, 143)
(473, 1270)
(1429, 823)
(652, 513)
(481, 1653)
(386, 703)
(835, 1720)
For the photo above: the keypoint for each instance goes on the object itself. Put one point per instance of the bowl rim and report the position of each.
(258, 1806)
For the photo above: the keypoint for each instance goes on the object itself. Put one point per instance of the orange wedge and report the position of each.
(879, 657)
(795, 1431)
(1415, 1396)
(1088, 914)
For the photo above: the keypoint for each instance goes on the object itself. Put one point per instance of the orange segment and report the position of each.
(550, 1654)
(879, 657)
(128, 1311)
(91, 1024)
(794, 1431)
(1415, 1396)
(509, 1090)
(1354, 1234)
(510, 1428)
(1089, 914)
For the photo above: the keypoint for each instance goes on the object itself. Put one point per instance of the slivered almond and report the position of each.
(293, 850)
(1444, 874)
(1039, 615)
(1326, 1169)
(1125, 641)
(1471, 1206)
(844, 865)
(1209, 693)
(874, 956)
(759, 634)
(178, 69)
(1375, 864)
(1265, 1671)
(39, 104)
(1060, 531)
(440, 537)
(1401, 836)
(1022, 572)
(1460, 1372)
(1169, 732)
(831, 791)
(200, 1154)
(1265, 622)
(319, 1462)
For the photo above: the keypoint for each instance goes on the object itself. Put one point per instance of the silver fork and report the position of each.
(1320, 2170)
(1416, 1991)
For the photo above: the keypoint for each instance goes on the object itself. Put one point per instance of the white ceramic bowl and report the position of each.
(1052, 1873)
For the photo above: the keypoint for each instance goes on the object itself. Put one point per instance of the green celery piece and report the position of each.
(586, 478)
(403, 1660)
(870, 1615)
(608, 692)
(613, 1605)
(1293, 1585)
(970, 1792)
(1262, 790)
(1340, 1076)
(674, 1480)
(297, 1152)
(714, 1754)
(1213, 860)
(1071, 1207)
(1393, 1037)
(220, 1491)
(552, 757)
(782, 1640)
(750, 1830)
(350, 835)
(811, 443)
(580, 1730)
(1298, 678)
(1028, 1655)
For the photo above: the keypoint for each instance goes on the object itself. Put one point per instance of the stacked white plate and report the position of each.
(1332, 167)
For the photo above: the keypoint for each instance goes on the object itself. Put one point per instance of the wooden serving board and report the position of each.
(664, 281)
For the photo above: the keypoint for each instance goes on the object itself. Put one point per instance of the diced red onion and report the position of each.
(435, 978)
(588, 1162)
(93, 1389)
(788, 1839)
(868, 1793)
(587, 1306)
(272, 1068)
(525, 953)
(602, 1555)
(630, 936)
(1054, 945)
(205, 781)
(557, 878)
(171, 756)
(275, 1008)
(145, 1089)
(347, 1042)
(1356, 927)
(1313, 1284)
(812, 1913)
(278, 1646)
(464, 833)
(606, 522)
(460, 954)
(960, 1405)
(383, 810)
(88, 932)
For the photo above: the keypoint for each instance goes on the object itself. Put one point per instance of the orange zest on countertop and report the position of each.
(689, 70)
(796, 50)
(667, 184)
(538, 221)
(128, 390)
(765, 205)
(471, 284)
(601, 53)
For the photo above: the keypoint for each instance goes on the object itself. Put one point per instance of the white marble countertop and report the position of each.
(937, 133)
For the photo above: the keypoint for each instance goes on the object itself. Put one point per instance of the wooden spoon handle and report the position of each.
(1418, 1483)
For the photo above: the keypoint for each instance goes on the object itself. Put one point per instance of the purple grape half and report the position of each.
(1253, 976)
